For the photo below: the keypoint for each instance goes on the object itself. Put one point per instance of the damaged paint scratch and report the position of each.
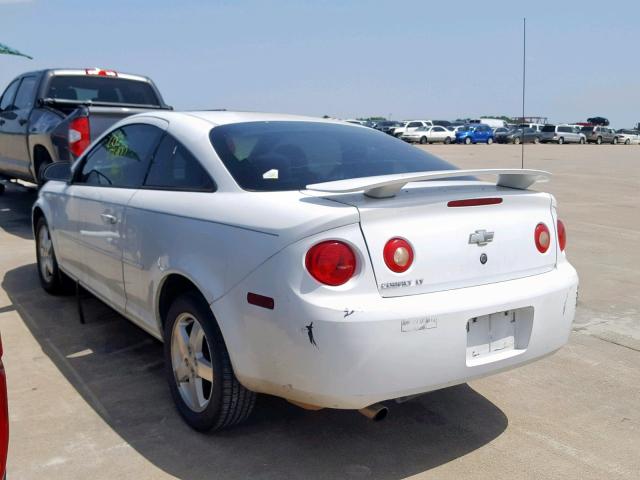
(347, 312)
(310, 333)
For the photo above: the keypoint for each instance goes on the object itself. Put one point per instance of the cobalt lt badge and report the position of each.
(483, 258)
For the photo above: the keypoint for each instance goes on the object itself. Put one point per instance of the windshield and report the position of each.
(102, 90)
(273, 156)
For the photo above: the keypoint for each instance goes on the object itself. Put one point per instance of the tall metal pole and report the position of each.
(524, 73)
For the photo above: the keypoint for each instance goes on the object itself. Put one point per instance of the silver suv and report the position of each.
(561, 134)
(599, 135)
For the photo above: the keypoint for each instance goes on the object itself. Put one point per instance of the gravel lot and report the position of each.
(91, 401)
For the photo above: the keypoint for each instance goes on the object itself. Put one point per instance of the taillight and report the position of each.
(398, 255)
(79, 137)
(331, 262)
(542, 237)
(562, 235)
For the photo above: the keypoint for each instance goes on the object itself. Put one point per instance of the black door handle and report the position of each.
(22, 121)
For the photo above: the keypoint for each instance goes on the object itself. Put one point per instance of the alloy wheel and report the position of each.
(191, 362)
(45, 249)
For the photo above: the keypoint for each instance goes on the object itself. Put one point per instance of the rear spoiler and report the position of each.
(384, 186)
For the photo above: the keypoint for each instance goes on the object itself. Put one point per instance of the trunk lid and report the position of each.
(445, 255)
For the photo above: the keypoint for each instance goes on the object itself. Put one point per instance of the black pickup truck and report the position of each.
(52, 115)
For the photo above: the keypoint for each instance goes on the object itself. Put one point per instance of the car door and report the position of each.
(16, 145)
(6, 115)
(176, 180)
(103, 184)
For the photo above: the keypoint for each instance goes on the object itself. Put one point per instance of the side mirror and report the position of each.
(57, 171)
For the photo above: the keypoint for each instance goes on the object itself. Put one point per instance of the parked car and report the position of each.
(493, 122)
(474, 134)
(411, 126)
(430, 135)
(534, 126)
(53, 115)
(628, 137)
(4, 418)
(387, 126)
(520, 135)
(218, 233)
(601, 121)
(599, 134)
(561, 134)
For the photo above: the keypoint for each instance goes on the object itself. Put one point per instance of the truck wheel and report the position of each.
(198, 368)
(467, 141)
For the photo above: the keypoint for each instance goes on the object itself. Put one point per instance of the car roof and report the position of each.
(223, 117)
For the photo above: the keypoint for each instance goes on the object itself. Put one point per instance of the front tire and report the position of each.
(489, 141)
(516, 140)
(536, 140)
(423, 140)
(599, 141)
(447, 140)
(627, 142)
(201, 379)
(560, 141)
(51, 278)
(615, 140)
(467, 141)
(582, 141)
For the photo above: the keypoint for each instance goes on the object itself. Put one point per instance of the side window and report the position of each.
(9, 93)
(414, 124)
(438, 129)
(173, 167)
(26, 93)
(121, 158)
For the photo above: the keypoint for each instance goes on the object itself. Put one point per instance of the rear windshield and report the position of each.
(273, 156)
(102, 90)
(549, 128)
(586, 129)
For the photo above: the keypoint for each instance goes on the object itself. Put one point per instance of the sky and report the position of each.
(402, 60)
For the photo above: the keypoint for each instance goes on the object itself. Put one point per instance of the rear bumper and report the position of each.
(360, 355)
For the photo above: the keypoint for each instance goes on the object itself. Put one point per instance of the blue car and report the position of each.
(474, 134)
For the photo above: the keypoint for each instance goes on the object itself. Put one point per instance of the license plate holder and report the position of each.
(491, 334)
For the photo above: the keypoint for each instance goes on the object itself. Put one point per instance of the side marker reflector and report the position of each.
(260, 300)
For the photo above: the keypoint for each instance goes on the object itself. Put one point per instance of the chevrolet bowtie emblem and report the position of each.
(481, 237)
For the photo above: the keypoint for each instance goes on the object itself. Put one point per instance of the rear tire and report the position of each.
(560, 141)
(489, 141)
(516, 140)
(599, 141)
(207, 395)
(627, 142)
(582, 141)
(536, 140)
(423, 140)
(615, 140)
(447, 140)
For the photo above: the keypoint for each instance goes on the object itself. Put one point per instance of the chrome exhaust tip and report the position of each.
(375, 412)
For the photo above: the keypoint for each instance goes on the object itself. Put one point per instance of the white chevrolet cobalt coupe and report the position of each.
(323, 262)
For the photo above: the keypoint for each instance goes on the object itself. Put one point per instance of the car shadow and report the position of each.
(118, 370)
(15, 210)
